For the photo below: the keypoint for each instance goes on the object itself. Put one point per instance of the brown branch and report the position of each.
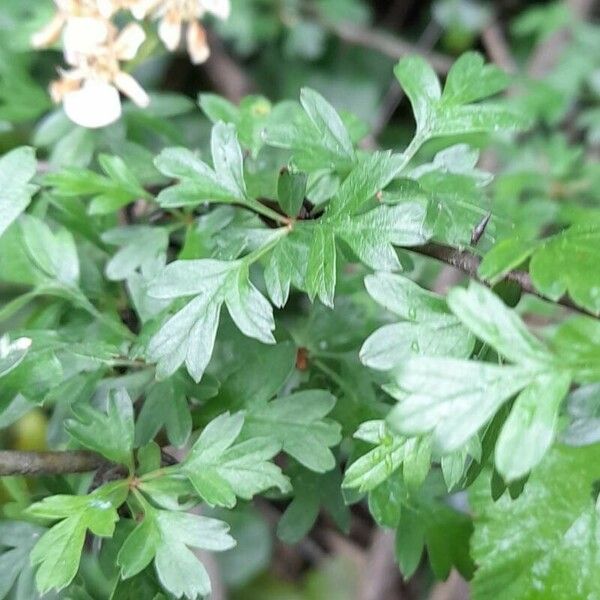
(15, 462)
(380, 576)
(548, 52)
(497, 48)
(468, 263)
(227, 76)
(387, 44)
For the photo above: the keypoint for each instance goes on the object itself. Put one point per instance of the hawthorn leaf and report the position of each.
(315, 134)
(311, 491)
(298, 422)
(228, 159)
(491, 321)
(470, 79)
(189, 335)
(17, 169)
(199, 183)
(421, 85)
(291, 191)
(250, 310)
(374, 467)
(166, 537)
(328, 123)
(110, 192)
(552, 531)
(505, 256)
(451, 398)
(531, 426)
(370, 176)
(220, 470)
(139, 248)
(58, 550)
(568, 262)
(17, 538)
(321, 265)
(165, 405)
(372, 234)
(287, 265)
(583, 409)
(12, 353)
(451, 113)
(54, 254)
(116, 425)
(428, 328)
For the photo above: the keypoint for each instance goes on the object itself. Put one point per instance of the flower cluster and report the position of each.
(94, 50)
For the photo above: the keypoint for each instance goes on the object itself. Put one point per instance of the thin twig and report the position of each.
(547, 53)
(497, 48)
(386, 44)
(469, 263)
(14, 462)
(226, 75)
(380, 575)
(395, 94)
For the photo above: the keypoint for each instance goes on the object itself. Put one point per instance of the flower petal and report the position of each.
(49, 34)
(219, 8)
(96, 104)
(196, 43)
(129, 41)
(169, 31)
(132, 89)
(83, 36)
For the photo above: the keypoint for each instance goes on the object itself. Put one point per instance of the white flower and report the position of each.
(90, 90)
(173, 15)
(65, 10)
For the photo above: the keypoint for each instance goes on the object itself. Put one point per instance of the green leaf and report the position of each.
(13, 353)
(116, 425)
(316, 136)
(167, 537)
(53, 254)
(287, 265)
(311, 491)
(374, 467)
(298, 422)
(421, 85)
(372, 234)
(17, 538)
(17, 169)
(139, 248)
(551, 528)
(568, 262)
(189, 335)
(198, 182)
(370, 176)
(327, 122)
(428, 328)
(451, 113)
(451, 398)
(109, 192)
(58, 551)
(227, 157)
(165, 405)
(291, 190)
(491, 321)
(321, 265)
(505, 256)
(220, 470)
(531, 426)
(470, 80)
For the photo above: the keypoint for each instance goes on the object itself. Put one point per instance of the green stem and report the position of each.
(256, 254)
(265, 211)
